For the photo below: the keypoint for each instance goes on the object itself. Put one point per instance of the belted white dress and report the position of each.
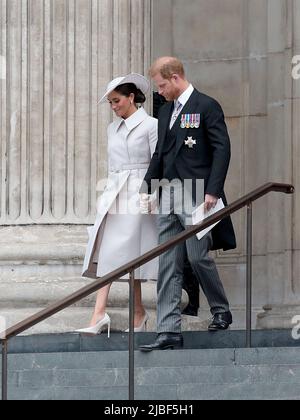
(121, 233)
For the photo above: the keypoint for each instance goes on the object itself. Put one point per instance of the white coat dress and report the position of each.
(121, 233)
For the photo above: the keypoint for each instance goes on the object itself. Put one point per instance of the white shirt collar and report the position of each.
(134, 120)
(185, 96)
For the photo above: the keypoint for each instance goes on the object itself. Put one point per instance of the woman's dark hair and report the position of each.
(128, 88)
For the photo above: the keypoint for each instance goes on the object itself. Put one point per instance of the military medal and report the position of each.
(182, 125)
(190, 120)
(190, 142)
(187, 125)
(193, 121)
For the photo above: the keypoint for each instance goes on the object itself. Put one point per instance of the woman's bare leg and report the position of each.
(101, 303)
(139, 310)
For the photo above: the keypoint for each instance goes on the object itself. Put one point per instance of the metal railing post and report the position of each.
(131, 336)
(4, 370)
(249, 278)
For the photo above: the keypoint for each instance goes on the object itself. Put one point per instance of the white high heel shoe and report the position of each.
(143, 326)
(96, 329)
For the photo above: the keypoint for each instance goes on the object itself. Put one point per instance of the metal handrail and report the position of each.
(247, 200)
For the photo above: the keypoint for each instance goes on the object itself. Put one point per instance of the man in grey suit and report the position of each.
(193, 144)
(190, 282)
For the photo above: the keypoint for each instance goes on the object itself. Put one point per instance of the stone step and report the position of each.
(78, 317)
(231, 339)
(240, 391)
(70, 369)
(236, 374)
(44, 290)
(257, 391)
(198, 375)
(92, 393)
(23, 294)
(188, 357)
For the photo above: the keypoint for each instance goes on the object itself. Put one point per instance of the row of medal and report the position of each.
(190, 121)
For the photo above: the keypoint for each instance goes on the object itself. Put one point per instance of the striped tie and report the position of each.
(176, 112)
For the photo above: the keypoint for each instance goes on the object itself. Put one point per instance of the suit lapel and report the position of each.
(165, 121)
(189, 108)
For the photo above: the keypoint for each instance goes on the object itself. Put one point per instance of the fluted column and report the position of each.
(59, 57)
(56, 58)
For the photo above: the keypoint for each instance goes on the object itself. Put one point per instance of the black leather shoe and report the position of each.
(190, 310)
(221, 321)
(164, 341)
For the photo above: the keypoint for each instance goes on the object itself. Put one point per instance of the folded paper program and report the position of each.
(200, 214)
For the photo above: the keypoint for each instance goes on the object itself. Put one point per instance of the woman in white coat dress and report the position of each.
(121, 233)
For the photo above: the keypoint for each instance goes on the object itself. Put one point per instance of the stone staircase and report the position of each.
(211, 367)
(14, 308)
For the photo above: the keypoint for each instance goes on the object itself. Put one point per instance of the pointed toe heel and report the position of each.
(143, 326)
(97, 328)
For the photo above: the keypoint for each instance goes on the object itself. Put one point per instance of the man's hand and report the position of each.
(210, 202)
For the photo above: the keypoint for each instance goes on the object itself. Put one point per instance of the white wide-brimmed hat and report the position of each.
(137, 79)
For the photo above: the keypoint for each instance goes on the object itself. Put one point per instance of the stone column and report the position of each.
(284, 153)
(59, 57)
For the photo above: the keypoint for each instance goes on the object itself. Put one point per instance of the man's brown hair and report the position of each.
(167, 67)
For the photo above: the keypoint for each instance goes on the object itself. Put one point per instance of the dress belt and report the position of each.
(130, 166)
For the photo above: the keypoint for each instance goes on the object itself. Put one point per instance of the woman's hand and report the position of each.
(148, 204)
(145, 204)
